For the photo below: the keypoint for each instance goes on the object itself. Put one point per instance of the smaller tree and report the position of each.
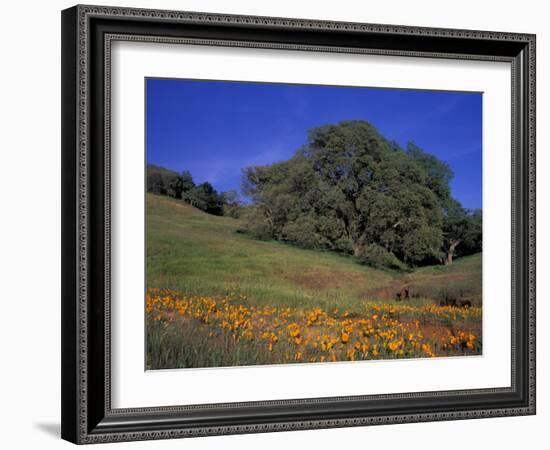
(472, 240)
(174, 187)
(232, 205)
(163, 181)
(155, 183)
(462, 231)
(187, 182)
(205, 198)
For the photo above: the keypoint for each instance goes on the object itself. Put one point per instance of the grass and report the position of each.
(197, 253)
(194, 252)
(196, 259)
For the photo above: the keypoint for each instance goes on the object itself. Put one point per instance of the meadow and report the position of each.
(216, 297)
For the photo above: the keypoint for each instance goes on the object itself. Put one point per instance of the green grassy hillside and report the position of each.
(201, 254)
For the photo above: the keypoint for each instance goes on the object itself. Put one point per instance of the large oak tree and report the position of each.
(350, 190)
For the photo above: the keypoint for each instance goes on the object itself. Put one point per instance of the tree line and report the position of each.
(202, 196)
(350, 190)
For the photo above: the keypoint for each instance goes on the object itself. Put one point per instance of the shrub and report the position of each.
(256, 226)
(301, 232)
(376, 256)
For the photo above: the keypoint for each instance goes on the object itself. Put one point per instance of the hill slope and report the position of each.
(201, 254)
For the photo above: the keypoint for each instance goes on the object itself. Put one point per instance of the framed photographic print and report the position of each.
(280, 224)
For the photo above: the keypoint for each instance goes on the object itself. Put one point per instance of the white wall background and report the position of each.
(30, 222)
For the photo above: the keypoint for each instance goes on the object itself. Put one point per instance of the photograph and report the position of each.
(300, 223)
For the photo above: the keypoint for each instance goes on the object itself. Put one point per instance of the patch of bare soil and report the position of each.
(318, 279)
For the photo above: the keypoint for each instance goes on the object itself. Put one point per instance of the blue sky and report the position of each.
(215, 128)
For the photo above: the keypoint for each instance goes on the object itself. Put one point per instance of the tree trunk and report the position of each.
(358, 244)
(451, 252)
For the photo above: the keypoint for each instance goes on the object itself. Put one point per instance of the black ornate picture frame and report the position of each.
(87, 34)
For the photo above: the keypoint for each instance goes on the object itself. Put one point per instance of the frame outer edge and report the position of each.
(75, 116)
(297, 23)
(532, 144)
(69, 233)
